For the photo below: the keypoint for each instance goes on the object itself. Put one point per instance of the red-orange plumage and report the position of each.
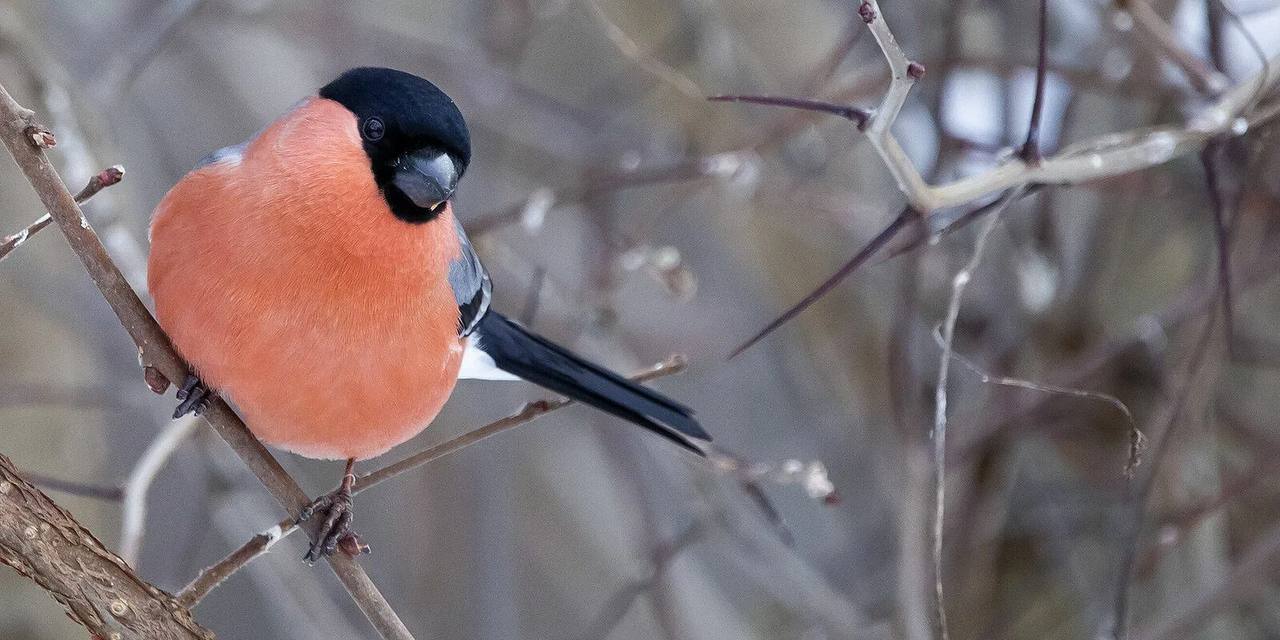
(285, 280)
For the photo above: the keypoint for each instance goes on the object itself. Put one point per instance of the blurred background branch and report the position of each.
(638, 219)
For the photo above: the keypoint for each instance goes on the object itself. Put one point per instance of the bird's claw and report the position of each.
(193, 396)
(335, 532)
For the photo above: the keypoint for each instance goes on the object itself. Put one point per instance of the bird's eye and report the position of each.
(373, 129)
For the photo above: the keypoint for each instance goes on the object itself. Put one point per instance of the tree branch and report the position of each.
(45, 543)
(105, 178)
(216, 574)
(948, 331)
(157, 354)
(1031, 148)
(1100, 157)
(134, 509)
(1203, 77)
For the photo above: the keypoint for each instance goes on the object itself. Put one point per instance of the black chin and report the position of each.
(405, 209)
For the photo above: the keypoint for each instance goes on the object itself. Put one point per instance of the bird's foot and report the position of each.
(335, 532)
(193, 397)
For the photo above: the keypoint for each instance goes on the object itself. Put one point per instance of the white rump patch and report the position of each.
(478, 365)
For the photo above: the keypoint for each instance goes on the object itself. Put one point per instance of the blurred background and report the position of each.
(624, 215)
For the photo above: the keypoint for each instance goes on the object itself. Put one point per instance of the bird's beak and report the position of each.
(427, 176)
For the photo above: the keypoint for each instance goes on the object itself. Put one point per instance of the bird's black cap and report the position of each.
(399, 112)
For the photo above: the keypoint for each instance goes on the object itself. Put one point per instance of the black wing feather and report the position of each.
(531, 357)
(534, 358)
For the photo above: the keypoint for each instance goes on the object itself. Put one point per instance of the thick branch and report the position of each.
(155, 351)
(43, 542)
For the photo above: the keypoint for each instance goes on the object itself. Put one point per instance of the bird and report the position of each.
(316, 277)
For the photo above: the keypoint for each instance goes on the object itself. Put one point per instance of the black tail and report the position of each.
(521, 353)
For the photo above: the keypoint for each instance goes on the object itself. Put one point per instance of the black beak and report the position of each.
(427, 176)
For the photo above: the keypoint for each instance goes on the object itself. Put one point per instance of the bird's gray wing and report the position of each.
(471, 287)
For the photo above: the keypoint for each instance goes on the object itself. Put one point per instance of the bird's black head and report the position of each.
(415, 136)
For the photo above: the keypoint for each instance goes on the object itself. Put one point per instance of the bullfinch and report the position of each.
(317, 277)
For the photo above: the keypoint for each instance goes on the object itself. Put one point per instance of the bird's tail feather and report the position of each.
(522, 353)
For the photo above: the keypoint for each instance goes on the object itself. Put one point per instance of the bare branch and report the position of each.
(84, 490)
(1137, 440)
(856, 115)
(103, 179)
(214, 575)
(1140, 493)
(948, 331)
(134, 510)
(45, 543)
(156, 352)
(632, 50)
(1031, 148)
(1203, 77)
(1104, 156)
(869, 249)
(1213, 160)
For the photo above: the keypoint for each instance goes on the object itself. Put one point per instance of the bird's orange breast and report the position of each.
(285, 280)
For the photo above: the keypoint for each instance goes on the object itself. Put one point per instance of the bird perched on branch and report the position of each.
(317, 277)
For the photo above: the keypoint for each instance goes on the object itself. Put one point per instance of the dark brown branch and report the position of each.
(213, 576)
(1031, 148)
(157, 353)
(1213, 159)
(867, 250)
(105, 178)
(45, 543)
(97, 492)
(216, 574)
(532, 411)
(1141, 492)
(856, 115)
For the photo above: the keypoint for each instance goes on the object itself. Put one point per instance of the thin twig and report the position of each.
(1140, 494)
(214, 575)
(84, 490)
(1104, 156)
(1137, 440)
(156, 352)
(530, 412)
(869, 249)
(632, 50)
(857, 115)
(103, 179)
(1213, 160)
(1203, 77)
(134, 510)
(1031, 148)
(211, 577)
(958, 284)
